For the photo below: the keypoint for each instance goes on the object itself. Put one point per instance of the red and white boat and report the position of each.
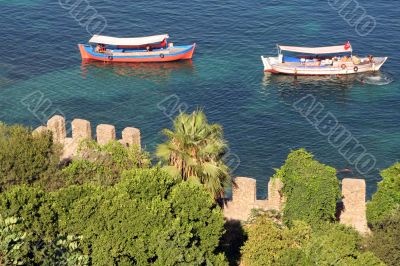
(134, 50)
(321, 61)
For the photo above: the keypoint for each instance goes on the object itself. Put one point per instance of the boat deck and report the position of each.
(171, 50)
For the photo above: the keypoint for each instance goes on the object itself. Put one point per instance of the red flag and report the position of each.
(347, 46)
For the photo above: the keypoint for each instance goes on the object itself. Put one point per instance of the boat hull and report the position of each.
(164, 55)
(271, 66)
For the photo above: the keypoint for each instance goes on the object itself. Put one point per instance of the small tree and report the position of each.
(103, 164)
(331, 244)
(25, 157)
(385, 240)
(148, 218)
(386, 201)
(271, 244)
(311, 189)
(194, 151)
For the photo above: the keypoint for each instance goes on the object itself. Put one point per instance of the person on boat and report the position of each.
(371, 59)
(149, 48)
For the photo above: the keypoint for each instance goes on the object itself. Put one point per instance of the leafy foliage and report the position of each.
(335, 244)
(10, 242)
(103, 165)
(194, 151)
(143, 219)
(30, 235)
(311, 189)
(385, 240)
(271, 244)
(386, 201)
(25, 158)
(331, 244)
(146, 218)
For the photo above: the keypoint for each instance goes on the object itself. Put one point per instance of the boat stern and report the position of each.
(270, 61)
(266, 63)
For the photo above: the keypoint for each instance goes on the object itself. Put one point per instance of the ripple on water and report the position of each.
(378, 79)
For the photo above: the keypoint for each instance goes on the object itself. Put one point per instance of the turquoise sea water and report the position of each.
(40, 66)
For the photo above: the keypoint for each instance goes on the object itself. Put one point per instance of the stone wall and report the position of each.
(81, 129)
(244, 200)
(244, 197)
(354, 206)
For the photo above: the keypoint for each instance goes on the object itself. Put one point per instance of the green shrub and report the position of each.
(103, 165)
(145, 219)
(270, 243)
(30, 233)
(386, 201)
(385, 240)
(335, 244)
(311, 189)
(25, 158)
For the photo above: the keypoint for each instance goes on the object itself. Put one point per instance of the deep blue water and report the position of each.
(39, 55)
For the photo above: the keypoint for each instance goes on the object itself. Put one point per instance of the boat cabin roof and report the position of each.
(107, 40)
(318, 50)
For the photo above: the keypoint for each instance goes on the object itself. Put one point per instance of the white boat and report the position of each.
(330, 60)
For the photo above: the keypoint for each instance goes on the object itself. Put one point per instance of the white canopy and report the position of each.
(318, 50)
(128, 41)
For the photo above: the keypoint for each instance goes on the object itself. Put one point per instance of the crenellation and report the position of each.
(244, 200)
(244, 195)
(81, 130)
(40, 130)
(131, 136)
(105, 133)
(56, 125)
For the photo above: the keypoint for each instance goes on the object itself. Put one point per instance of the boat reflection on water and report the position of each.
(289, 88)
(157, 72)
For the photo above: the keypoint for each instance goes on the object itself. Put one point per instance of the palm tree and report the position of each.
(194, 152)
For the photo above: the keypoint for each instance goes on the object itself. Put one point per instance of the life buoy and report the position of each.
(356, 69)
(110, 57)
(162, 55)
(344, 66)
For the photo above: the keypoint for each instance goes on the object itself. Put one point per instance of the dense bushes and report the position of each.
(385, 240)
(103, 165)
(311, 189)
(24, 158)
(386, 201)
(270, 243)
(143, 219)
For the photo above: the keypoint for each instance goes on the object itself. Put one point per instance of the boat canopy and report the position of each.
(128, 41)
(319, 50)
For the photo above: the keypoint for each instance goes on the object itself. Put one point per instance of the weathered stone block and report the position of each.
(56, 125)
(81, 130)
(39, 130)
(131, 136)
(354, 212)
(275, 196)
(105, 133)
(245, 190)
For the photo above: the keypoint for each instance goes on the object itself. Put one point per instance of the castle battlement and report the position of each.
(353, 212)
(244, 197)
(81, 129)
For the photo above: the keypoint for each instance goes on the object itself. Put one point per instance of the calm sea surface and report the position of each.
(40, 66)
